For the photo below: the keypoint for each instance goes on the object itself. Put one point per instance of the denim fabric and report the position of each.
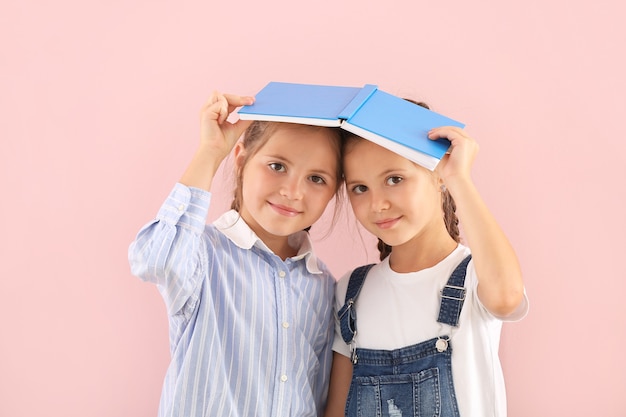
(347, 313)
(411, 381)
(453, 295)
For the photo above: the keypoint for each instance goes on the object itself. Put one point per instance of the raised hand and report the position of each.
(217, 138)
(216, 133)
(460, 157)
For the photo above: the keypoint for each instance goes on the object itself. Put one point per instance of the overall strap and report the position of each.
(347, 313)
(453, 295)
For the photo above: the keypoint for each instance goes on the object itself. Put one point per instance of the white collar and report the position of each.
(237, 230)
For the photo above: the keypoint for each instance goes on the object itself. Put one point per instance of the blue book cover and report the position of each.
(318, 105)
(401, 126)
(385, 119)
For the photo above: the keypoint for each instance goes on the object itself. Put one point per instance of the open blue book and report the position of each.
(373, 114)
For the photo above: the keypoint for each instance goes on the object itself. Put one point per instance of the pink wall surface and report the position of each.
(99, 106)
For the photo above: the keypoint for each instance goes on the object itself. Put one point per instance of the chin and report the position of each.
(283, 231)
(394, 242)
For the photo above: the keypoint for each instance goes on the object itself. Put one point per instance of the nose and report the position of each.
(378, 201)
(292, 189)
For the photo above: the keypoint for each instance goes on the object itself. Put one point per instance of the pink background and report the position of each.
(99, 110)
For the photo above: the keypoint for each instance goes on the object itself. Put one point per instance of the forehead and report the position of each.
(364, 157)
(320, 145)
(361, 150)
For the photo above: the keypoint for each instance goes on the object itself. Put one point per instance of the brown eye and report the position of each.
(275, 166)
(393, 180)
(317, 179)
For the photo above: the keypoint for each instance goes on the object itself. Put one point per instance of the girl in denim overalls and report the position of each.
(429, 315)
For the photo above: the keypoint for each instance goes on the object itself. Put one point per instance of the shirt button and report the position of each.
(181, 207)
(282, 274)
(285, 325)
(283, 378)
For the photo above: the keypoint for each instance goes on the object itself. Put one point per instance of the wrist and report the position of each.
(458, 183)
(202, 168)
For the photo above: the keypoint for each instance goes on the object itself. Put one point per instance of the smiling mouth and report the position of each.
(387, 223)
(284, 210)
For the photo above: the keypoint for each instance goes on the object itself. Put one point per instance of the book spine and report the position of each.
(355, 104)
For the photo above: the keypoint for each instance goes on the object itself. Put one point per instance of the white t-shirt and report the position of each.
(397, 310)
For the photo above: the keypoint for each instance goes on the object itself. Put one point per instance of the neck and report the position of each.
(279, 245)
(415, 256)
(284, 252)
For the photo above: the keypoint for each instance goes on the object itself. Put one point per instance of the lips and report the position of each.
(284, 210)
(387, 223)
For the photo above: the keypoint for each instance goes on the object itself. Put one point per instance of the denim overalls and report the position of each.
(411, 381)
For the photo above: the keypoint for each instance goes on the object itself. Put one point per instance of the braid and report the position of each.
(449, 214)
(384, 249)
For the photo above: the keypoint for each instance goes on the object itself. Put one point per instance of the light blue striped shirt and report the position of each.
(250, 334)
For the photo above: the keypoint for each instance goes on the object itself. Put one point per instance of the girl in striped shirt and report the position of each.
(249, 304)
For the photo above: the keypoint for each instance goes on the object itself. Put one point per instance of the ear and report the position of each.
(437, 180)
(240, 155)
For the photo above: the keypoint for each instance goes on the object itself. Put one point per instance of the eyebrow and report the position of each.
(351, 183)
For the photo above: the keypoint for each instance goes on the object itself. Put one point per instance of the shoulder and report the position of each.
(221, 248)
(326, 273)
(454, 262)
(471, 284)
(215, 235)
(372, 270)
(342, 287)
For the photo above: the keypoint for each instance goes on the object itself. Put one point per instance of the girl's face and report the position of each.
(393, 198)
(288, 182)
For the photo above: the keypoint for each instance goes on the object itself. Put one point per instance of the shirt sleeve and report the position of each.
(325, 356)
(339, 345)
(517, 315)
(169, 251)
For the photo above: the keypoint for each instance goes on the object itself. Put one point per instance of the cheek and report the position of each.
(321, 197)
(253, 185)
(259, 178)
(426, 206)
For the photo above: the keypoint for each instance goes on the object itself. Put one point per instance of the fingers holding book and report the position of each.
(461, 154)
